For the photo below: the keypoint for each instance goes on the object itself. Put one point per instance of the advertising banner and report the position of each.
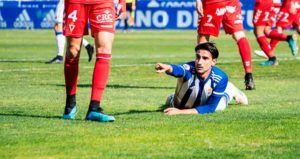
(150, 14)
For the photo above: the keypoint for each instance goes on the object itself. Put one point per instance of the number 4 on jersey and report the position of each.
(73, 15)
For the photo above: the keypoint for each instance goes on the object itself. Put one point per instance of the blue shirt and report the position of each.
(194, 92)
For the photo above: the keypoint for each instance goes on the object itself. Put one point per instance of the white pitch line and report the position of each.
(164, 55)
(125, 65)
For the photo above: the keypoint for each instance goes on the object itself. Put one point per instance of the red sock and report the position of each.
(100, 76)
(274, 34)
(71, 74)
(265, 46)
(273, 43)
(245, 52)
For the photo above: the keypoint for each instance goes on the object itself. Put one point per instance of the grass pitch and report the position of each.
(32, 99)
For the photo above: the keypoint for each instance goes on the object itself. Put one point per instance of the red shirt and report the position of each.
(213, 1)
(287, 3)
(106, 2)
(93, 1)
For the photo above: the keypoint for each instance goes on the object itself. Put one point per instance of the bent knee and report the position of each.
(73, 51)
(238, 35)
(103, 49)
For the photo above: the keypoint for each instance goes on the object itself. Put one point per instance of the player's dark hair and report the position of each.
(209, 46)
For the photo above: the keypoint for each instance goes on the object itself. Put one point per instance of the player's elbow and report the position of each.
(205, 111)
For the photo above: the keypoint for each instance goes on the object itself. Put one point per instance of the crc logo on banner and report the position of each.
(2, 22)
(48, 20)
(23, 21)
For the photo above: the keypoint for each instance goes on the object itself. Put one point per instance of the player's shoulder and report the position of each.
(217, 74)
(188, 66)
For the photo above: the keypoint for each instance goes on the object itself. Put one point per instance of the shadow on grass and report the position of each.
(160, 109)
(118, 86)
(130, 112)
(22, 61)
(31, 116)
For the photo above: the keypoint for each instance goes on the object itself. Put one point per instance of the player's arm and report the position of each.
(213, 101)
(175, 111)
(210, 106)
(199, 8)
(161, 68)
(121, 9)
(177, 71)
(173, 70)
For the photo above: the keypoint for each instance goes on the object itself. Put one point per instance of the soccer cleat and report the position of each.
(249, 83)
(241, 98)
(72, 113)
(98, 116)
(269, 63)
(260, 54)
(56, 60)
(90, 51)
(292, 40)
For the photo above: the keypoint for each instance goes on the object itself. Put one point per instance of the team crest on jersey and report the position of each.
(209, 91)
(71, 27)
(186, 67)
(105, 17)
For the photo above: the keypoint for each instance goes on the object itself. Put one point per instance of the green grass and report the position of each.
(32, 100)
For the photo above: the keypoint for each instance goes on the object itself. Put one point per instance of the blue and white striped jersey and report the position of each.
(193, 92)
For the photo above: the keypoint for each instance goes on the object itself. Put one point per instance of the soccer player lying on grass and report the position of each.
(201, 88)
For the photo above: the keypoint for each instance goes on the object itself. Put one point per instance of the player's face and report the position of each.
(204, 62)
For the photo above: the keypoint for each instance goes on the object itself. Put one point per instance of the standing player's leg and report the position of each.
(60, 38)
(278, 35)
(265, 46)
(201, 38)
(103, 33)
(285, 20)
(233, 24)
(126, 20)
(75, 28)
(245, 53)
(71, 75)
(103, 43)
(89, 48)
(274, 42)
(60, 44)
(262, 17)
(209, 23)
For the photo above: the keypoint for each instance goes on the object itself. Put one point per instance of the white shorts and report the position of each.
(59, 14)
